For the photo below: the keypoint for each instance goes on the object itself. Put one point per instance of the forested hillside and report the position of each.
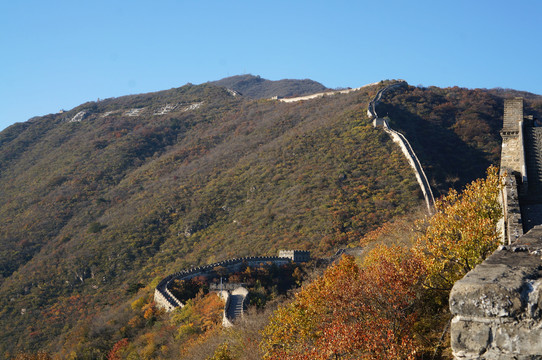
(454, 131)
(109, 197)
(93, 207)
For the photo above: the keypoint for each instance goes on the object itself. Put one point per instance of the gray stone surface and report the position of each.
(513, 112)
(531, 215)
(470, 337)
(497, 306)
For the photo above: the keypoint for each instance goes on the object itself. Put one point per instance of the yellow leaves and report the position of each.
(462, 232)
(223, 352)
(135, 322)
(150, 348)
(138, 303)
(148, 311)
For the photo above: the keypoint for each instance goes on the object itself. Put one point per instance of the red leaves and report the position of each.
(351, 312)
(116, 351)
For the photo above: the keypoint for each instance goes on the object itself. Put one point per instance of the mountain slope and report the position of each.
(454, 131)
(116, 193)
(113, 195)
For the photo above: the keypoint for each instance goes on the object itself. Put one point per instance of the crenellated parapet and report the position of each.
(164, 299)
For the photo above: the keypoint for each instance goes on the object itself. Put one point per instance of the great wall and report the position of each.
(396, 136)
(403, 143)
(234, 301)
(497, 307)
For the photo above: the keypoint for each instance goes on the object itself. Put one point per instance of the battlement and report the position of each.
(513, 113)
(166, 300)
(295, 255)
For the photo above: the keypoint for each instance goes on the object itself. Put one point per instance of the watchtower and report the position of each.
(296, 255)
(513, 113)
(513, 153)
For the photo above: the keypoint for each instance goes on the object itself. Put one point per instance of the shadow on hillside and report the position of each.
(448, 161)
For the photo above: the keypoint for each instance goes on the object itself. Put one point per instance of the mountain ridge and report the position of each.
(256, 87)
(136, 190)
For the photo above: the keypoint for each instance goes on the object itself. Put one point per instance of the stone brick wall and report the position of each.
(164, 299)
(497, 307)
(511, 222)
(513, 113)
(405, 146)
(513, 152)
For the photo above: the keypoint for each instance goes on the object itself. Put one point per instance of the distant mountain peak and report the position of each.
(256, 87)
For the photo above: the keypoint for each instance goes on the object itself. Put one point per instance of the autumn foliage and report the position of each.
(380, 309)
(462, 232)
(353, 312)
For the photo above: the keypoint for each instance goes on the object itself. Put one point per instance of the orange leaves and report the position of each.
(199, 315)
(210, 310)
(149, 311)
(117, 350)
(351, 312)
(73, 306)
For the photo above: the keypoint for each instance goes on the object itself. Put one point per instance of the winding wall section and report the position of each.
(165, 299)
(406, 148)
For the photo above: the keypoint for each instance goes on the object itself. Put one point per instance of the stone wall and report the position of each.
(296, 255)
(164, 299)
(319, 95)
(513, 152)
(513, 113)
(405, 146)
(497, 307)
(511, 225)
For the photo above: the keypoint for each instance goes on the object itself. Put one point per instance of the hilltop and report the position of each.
(111, 196)
(257, 88)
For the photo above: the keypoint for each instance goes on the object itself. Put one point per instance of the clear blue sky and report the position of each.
(59, 54)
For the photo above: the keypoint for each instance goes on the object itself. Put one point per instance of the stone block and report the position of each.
(488, 291)
(469, 338)
(524, 337)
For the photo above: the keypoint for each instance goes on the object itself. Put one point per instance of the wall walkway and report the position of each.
(236, 305)
(406, 148)
(163, 297)
(328, 93)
